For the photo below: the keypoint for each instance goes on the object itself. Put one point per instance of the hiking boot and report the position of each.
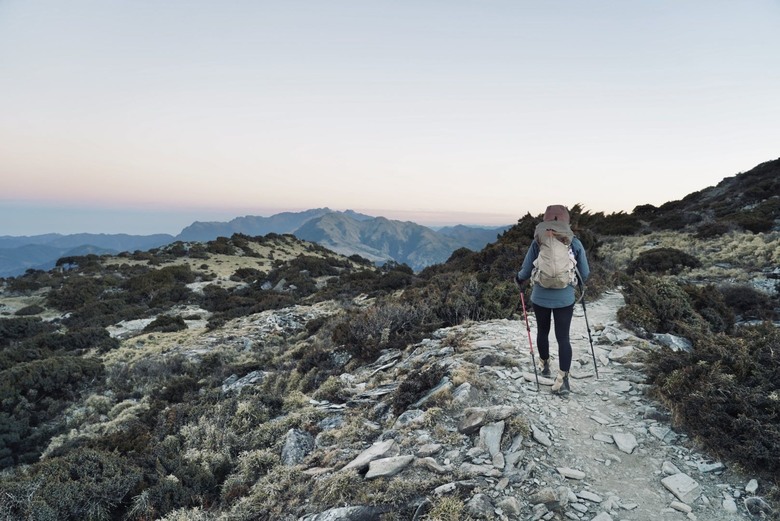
(561, 385)
(545, 366)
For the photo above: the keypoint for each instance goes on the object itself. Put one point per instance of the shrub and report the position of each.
(735, 409)
(160, 287)
(659, 305)
(34, 393)
(82, 485)
(713, 229)
(84, 262)
(104, 312)
(80, 340)
(644, 211)
(394, 279)
(244, 301)
(385, 325)
(54, 376)
(247, 275)
(21, 328)
(674, 220)
(32, 280)
(166, 324)
(619, 223)
(709, 302)
(221, 246)
(748, 302)
(75, 292)
(26, 311)
(753, 222)
(662, 260)
(357, 259)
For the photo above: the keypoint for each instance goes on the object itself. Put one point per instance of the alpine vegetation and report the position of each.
(266, 377)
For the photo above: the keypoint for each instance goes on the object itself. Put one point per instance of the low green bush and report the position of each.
(712, 229)
(166, 324)
(33, 394)
(748, 302)
(619, 223)
(12, 329)
(366, 332)
(247, 275)
(84, 485)
(725, 394)
(753, 222)
(27, 311)
(659, 305)
(710, 304)
(75, 292)
(669, 261)
(221, 246)
(75, 341)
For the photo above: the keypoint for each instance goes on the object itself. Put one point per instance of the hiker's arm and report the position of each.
(582, 262)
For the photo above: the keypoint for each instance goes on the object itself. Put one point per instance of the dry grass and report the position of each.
(9, 305)
(729, 255)
(150, 345)
(223, 266)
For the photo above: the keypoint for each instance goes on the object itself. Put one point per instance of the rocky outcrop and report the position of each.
(516, 452)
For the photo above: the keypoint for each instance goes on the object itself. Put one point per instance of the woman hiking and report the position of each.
(555, 263)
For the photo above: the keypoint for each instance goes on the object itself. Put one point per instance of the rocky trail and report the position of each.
(604, 452)
(608, 445)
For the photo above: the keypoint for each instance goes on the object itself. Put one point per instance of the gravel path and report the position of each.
(610, 439)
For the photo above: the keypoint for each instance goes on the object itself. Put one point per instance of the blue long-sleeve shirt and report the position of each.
(554, 298)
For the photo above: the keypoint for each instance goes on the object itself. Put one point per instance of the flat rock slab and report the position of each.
(376, 451)
(684, 487)
(473, 420)
(622, 386)
(540, 436)
(621, 354)
(589, 496)
(490, 437)
(566, 472)
(472, 471)
(388, 466)
(543, 380)
(662, 433)
(626, 442)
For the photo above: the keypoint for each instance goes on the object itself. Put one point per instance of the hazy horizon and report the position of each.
(143, 117)
(147, 221)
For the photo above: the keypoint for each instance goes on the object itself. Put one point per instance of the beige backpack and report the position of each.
(555, 267)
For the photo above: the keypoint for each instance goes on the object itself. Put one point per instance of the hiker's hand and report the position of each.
(521, 283)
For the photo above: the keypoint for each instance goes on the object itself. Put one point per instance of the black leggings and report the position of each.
(562, 325)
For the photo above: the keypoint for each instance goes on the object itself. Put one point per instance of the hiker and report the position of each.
(555, 263)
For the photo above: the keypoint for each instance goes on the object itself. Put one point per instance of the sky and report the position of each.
(143, 116)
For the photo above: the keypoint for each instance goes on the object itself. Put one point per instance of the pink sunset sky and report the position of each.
(141, 117)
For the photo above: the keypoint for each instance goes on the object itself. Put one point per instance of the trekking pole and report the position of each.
(530, 343)
(590, 339)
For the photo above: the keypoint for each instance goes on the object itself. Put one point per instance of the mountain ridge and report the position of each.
(379, 240)
(714, 210)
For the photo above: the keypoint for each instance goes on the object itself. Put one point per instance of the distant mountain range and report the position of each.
(375, 238)
(750, 200)
(20, 253)
(285, 222)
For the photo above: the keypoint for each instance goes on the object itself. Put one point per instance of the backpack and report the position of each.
(555, 267)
